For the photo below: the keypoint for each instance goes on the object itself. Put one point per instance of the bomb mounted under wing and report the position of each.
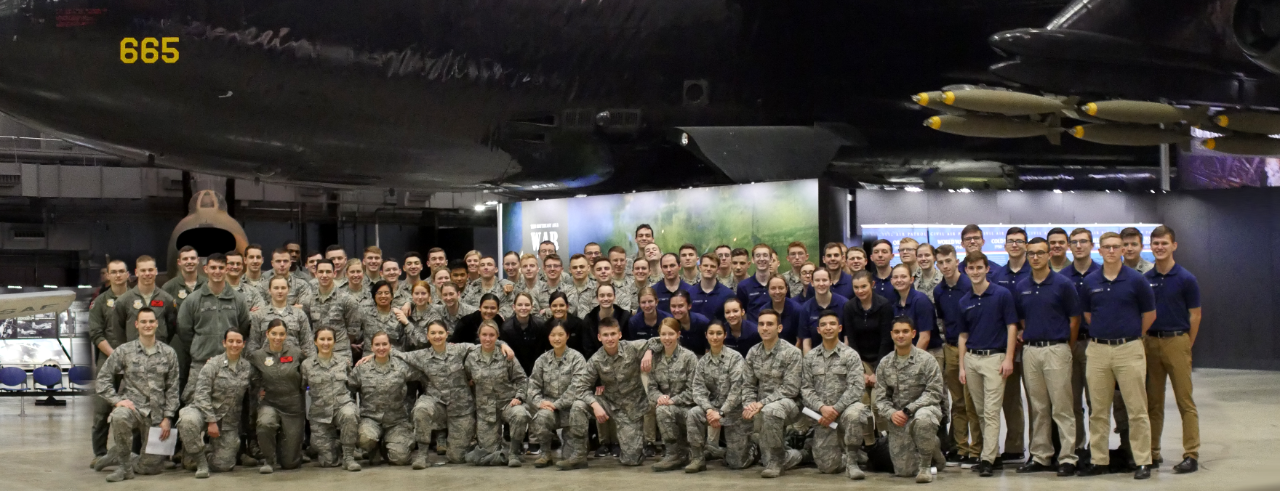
(995, 126)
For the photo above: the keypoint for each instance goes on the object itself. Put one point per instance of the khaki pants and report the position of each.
(1047, 372)
(986, 387)
(1079, 396)
(1171, 357)
(965, 425)
(874, 425)
(1125, 364)
(1015, 438)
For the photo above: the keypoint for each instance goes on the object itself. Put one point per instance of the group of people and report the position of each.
(340, 361)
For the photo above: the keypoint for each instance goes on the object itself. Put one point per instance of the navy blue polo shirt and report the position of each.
(1117, 305)
(986, 318)
(1047, 307)
(637, 330)
(946, 303)
(754, 296)
(1008, 279)
(813, 313)
(664, 295)
(843, 287)
(1176, 293)
(883, 287)
(709, 304)
(993, 271)
(920, 310)
(1077, 278)
(792, 321)
(694, 337)
(743, 343)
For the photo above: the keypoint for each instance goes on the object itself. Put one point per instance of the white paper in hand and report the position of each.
(809, 412)
(156, 446)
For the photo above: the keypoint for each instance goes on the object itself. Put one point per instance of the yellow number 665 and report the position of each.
(131, 50)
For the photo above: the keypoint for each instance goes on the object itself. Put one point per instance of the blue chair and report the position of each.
(81, 376)
(51, 379)
(13, 379)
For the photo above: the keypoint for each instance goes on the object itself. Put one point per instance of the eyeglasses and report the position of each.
(1016, 241)
(1110, 247)
(972, 239)
(1037, 253)
(1080, 242)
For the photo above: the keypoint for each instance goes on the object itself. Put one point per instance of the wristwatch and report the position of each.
(907, 411)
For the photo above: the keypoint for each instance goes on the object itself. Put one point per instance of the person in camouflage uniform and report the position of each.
(832, 385)
(219, 393)
(670, 389)
(581, 288)
(334, 309)
(617, 366)
(188, 279)
(447, 402)
(717, 395)
(235, 279)
(553, 389)
(381, 318)
(299, 290)
(528, 282)
(332, 412)
(296, 322)
(797, 256)
(503, 289)
(384, 418)
(100, 313)
(451, 307)
(421, 313)
(281, 414)
(555, 281)
(500, 385)
(770, 385)
(908, 392)
(148, 396)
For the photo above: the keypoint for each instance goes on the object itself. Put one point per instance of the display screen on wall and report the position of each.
(938, 234)
(1206, 169)
(775, 213)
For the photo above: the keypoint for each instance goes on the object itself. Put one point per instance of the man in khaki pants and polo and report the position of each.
(1119, 306)
(988, 324)
(1168, 346)
(1049, 310)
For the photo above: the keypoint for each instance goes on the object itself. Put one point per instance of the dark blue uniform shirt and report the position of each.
(664, 295)
(1176, 293)
(709, 304)
(1117, 305)
(1077, 278)
(749, 337)
(754, 296)
(946, 302)
(1009, 279)
(986, 318)
(920, 310)
(813, 311)
(637, 330)
(1047, 308)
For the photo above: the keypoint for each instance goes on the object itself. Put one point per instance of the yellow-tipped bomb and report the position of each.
(1090, 109)
(931, 100)
(1130, 135)
(1078, 132)
(988, 126)
(1142, 112)
(1222, 121)
(949, 97)
(1002, 102)
(1258, 123)
(921, 99)
(934, 122)
(1244, 145)
(1210, 144)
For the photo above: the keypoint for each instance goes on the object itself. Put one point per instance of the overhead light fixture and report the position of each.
(1057, 191)
(491, 203)
(912, 189)
(51, 286)
(580, 195)
(479, 207)
(84, 286)
(951, 190)
(966, 190)
(13, 287)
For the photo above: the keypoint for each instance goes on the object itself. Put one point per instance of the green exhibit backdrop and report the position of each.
(774, 213)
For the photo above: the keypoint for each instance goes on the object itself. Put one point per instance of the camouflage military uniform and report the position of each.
(533, 294)
(624, 294)
(834, 378)
(446, 402)
(282, 411)
(383, 414)
(795, 285)
(441, 313)
(623, 397)
(415, 334)
(497, 381)
(543, 294)
(340, 312)
(772, 378)
(672, 376)
(259, 284)
(121, 320)
(372, 321)
(475, 290)
(926, 286)
(299, 290)
(332, 414)
(399, 297)
(150, 381)
(717, 384)
(177, 287)
(554, 380)
(296, 324)
(219, 393)
(581, 300)
(728, 281)
(913, 383)
(252, 295)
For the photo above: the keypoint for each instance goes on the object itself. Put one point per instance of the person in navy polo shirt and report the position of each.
(709, 295)
(988, 324)
(791, 314)
(881, 256)
(693, 326)
(670, 283)
(1081, 244)
(644, 323)
(753, 292)
(973, 240)
(1168, 347)
(740, 333)
(833, 259)
(1015, 244)
(1119, 306)
(822, 300)
(966, 429)
(916, 305)
(1048, 308)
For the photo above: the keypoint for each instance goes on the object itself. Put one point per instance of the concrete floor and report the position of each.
(49, 449)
